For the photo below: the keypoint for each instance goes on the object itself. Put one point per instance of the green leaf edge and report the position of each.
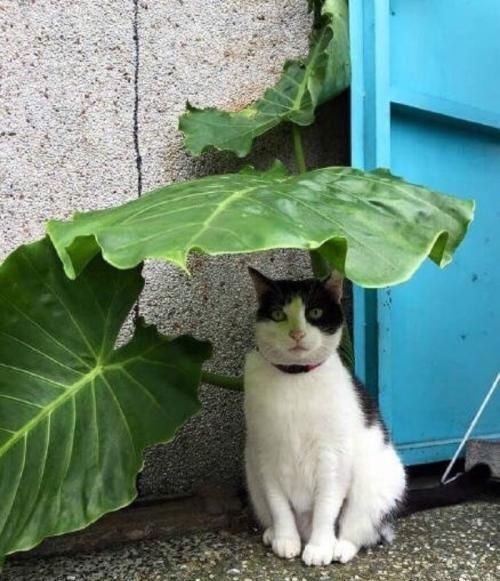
(438, 250)
(322, 13)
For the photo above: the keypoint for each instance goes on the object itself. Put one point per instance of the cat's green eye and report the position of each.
(278, 315)
(315, 314)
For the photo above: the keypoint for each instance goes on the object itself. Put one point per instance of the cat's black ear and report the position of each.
(334, 284)
(261, 283)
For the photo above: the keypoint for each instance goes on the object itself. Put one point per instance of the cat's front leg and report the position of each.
(330, 494)
(283, 536)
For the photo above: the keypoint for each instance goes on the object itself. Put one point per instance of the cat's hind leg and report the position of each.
(377, 487)
(358, 528)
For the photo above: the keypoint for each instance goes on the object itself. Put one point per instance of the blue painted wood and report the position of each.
(444, 107)
(447, 48)
(370, 149)
(426, 103)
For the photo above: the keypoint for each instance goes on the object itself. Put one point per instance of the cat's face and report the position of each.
(298, 322)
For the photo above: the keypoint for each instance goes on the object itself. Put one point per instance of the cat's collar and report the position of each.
(296, 368)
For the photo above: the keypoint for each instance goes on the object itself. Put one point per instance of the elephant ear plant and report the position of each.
(75, 411)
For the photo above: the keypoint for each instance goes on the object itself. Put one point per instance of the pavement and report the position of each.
(460, 543)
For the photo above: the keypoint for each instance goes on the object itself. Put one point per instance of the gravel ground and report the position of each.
(459, 543)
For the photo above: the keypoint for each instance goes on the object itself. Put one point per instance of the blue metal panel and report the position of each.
(426, 103)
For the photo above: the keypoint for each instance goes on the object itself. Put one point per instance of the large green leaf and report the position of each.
(302, 87)
(373, 226)
(76, 414)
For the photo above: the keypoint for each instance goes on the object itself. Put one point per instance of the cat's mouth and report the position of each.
(298, 348)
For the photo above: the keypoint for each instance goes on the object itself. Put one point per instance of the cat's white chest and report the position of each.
(291, 421)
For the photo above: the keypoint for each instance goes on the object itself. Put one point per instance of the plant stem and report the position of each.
(300, 160)
(225, 381)
(320, 266)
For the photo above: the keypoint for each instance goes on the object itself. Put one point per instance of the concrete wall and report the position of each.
(90, 93)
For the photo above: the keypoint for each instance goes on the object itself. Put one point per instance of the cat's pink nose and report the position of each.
(297, 335)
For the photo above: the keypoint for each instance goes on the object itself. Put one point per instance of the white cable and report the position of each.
(469, 430)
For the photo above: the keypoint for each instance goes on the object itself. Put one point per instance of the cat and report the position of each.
(316, 448)
(321, 471)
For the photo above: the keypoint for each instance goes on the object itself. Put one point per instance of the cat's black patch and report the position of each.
(314, 295)
(369, 408)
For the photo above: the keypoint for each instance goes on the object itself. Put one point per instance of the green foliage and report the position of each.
(374, 227)
(302, 86)
(75, 413)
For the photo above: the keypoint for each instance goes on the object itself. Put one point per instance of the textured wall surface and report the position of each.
(66, 112)
(90, 93)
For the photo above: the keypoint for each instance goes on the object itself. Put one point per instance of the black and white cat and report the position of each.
(320, 468)
(317, 452)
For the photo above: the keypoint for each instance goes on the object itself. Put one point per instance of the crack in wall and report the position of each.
(138, 158)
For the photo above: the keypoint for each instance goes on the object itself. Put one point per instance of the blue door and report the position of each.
(426, 104)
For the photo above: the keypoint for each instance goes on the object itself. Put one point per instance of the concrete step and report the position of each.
(484, 451)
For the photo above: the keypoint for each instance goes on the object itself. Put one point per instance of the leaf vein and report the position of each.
(122, 414)
(35, 350)
(44, 331)
(20, 400)
(61, 302)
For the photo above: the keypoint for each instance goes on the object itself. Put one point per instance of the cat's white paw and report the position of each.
(321, 554)
(267, 537)
(286, 547)
(344, 551)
